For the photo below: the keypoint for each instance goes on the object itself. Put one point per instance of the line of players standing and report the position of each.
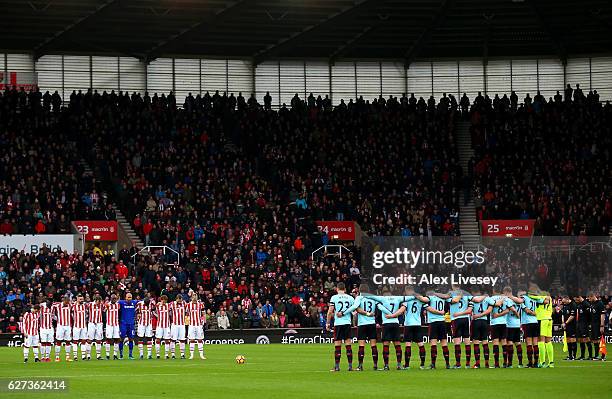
(78, 324)
(583, 322)
(474, 318)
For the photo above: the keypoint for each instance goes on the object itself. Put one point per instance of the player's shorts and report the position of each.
(79, 334)
(342, 332)
(461, 327)
(367, 331)
(595, 332)
(546, 328)
(46, 335)
(30, 341)
(570, 330)
(94, 332)
(162, 333)
(582, 330)
(480, 330)
(195, 332)
(531, 330)
(177, 333)
(513, 334)
(498, 331)
(437, 330)
(112, 332)
(145, 331)
(391, 332)
(62, 333)
(413, 334)
(126, 330)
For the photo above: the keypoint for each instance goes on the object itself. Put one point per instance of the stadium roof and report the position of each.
(329, 29)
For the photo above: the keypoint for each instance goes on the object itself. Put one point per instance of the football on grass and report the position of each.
(240, 359)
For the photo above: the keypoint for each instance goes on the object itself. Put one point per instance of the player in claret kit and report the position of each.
(162, 329)
(95, 327)
(112, 327)
(63, 314)
(338, 304)
(30, 330)
(177, 328)
(366, 325)
(145, 327)
(195, 330)
(126, 325)
(46, 330)
(79, 328)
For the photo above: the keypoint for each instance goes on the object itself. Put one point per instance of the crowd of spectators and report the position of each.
(234, 188)
(547, 160)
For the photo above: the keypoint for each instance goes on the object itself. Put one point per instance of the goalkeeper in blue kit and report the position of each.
(338, 304)
(127, 316)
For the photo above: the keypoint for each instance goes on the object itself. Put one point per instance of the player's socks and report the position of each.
(485, 350)
(422, 355)
(458, 355)
(360, 355)
(68, 349)
(107, 348)
(26, 353)
(141, 349)
(590, 348)
(550, 352)
(375, 356)
(349, 355)
(386, 355)
(477, 353)
(582, 349)
(131, 347)
(201, 349)
(530, 355)
(192, 348)
(536, 355)
(468, 354)
(496, 355)
(337, 354)
(434, 354)
(121, 348)
(446, 355)
(35, 349)
(157, 348)
(542, 351)
(398, 354)
(510, 353)
(519, 354)
(505, 354)
(407, 355)
(182, 348)
(115, 349)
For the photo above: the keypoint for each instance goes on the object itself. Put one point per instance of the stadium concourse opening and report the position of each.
(317, 183)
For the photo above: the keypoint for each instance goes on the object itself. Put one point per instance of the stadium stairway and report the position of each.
(127, 235)
(468, 223)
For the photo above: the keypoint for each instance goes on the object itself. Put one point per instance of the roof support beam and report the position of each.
(209, 22)
(554, 37)
(487, 37)
(42, 47)
(275, 49)
(425, 35)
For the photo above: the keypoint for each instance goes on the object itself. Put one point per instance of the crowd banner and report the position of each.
(33, 243)
(337, 230)
(97, 230)
(264, 336)
(507, 228)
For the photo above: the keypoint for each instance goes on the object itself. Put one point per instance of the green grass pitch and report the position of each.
(302, 371)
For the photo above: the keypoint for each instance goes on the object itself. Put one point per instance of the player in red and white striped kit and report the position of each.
(195, 331)
(95, 333)
(30, 330)
(79, 328)
(177, 328)
(46, 330)
(162, 330)
(63, 314)
(112, 327)
(145, 326)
